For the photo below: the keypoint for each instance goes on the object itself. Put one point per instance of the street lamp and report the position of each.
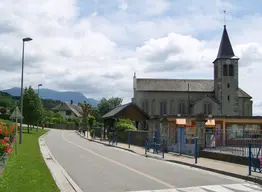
(26, 39)
(39, 85)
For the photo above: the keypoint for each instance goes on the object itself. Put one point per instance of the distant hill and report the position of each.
(76, 97)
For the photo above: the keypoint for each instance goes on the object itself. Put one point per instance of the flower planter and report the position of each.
(7, 138)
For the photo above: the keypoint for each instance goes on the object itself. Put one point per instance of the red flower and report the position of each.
(9, 150)
(6, 150)
(6, 132)
(1, 131)
(6, 139)
(7, 144)
(2, 142)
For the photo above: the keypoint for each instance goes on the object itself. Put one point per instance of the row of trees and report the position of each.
(36, 110)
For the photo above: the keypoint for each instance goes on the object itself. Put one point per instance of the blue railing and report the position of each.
(160, 147)
(157, 145)
(254, 158)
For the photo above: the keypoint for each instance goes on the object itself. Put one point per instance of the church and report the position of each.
(220, 96)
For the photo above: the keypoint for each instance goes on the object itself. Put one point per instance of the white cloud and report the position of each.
(123, 5)
(95, 48)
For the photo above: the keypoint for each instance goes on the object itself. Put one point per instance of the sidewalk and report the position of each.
(225, 168)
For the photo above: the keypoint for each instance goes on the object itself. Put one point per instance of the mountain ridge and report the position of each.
(65, 96)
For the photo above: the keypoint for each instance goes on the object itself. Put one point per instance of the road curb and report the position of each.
(66, 183)
(107, 144)
(247, 178)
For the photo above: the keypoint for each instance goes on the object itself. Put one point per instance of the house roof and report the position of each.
(66, 106)
(115, 111)
(74, 108)
(225, 48)
(119, 109)
(181, 85)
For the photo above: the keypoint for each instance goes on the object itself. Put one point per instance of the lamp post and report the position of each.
(39, 85)
(26, 39)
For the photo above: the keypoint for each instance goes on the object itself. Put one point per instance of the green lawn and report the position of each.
(27, 172)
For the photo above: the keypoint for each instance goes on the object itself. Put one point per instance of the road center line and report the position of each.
(120, 164)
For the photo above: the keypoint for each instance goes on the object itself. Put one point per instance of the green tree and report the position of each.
(7, 101)
(47, 116)
(32, 107)
(91, 121)
(86, 108)
(57, 118)
(106, 105)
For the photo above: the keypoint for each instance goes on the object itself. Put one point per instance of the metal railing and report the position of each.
(156, 144)
(234, 142)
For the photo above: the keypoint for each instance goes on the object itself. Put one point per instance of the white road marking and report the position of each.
(213, 188)
(217, 188)
(120, 164)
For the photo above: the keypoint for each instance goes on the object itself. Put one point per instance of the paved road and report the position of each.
(98, 168)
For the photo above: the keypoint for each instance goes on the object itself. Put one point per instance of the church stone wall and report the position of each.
(177, 97)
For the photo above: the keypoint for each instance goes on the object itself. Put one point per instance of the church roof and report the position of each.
(194, 85)
(206, 96)
(225, 48)
(180, 85)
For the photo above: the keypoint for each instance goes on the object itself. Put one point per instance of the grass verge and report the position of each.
(27, 172)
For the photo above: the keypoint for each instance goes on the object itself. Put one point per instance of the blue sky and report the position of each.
(95, 46)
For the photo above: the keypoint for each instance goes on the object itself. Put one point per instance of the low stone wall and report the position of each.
(63, 126)
(136, 137)
(224, 157)
(243, 143)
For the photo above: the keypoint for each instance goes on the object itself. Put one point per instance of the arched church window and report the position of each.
(143, 105)
(172, 107)
(225, 70)
(153, 107)
(207, 108)
(231, 70)
(146, 106)
(182, 107)
(163, 108)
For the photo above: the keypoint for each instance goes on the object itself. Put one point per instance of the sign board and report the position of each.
(16, 114)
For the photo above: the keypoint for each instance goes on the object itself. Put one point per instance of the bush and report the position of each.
(3, 110)
(4, 116)
(56, 120)
(98, 132)
(123, 126)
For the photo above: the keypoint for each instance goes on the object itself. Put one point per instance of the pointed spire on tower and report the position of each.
(225, 48)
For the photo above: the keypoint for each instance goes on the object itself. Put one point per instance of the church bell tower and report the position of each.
(226, 77)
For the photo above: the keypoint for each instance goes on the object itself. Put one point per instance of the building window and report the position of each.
(172, 107)
(191, 106)
(225, 69)
(153, 109)
(228, 98)
(231, 70)
(163, 108)
(68, 113)
(146, 106)
(143, 106)
(228, 85)
(207, 108)
(182, 107)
